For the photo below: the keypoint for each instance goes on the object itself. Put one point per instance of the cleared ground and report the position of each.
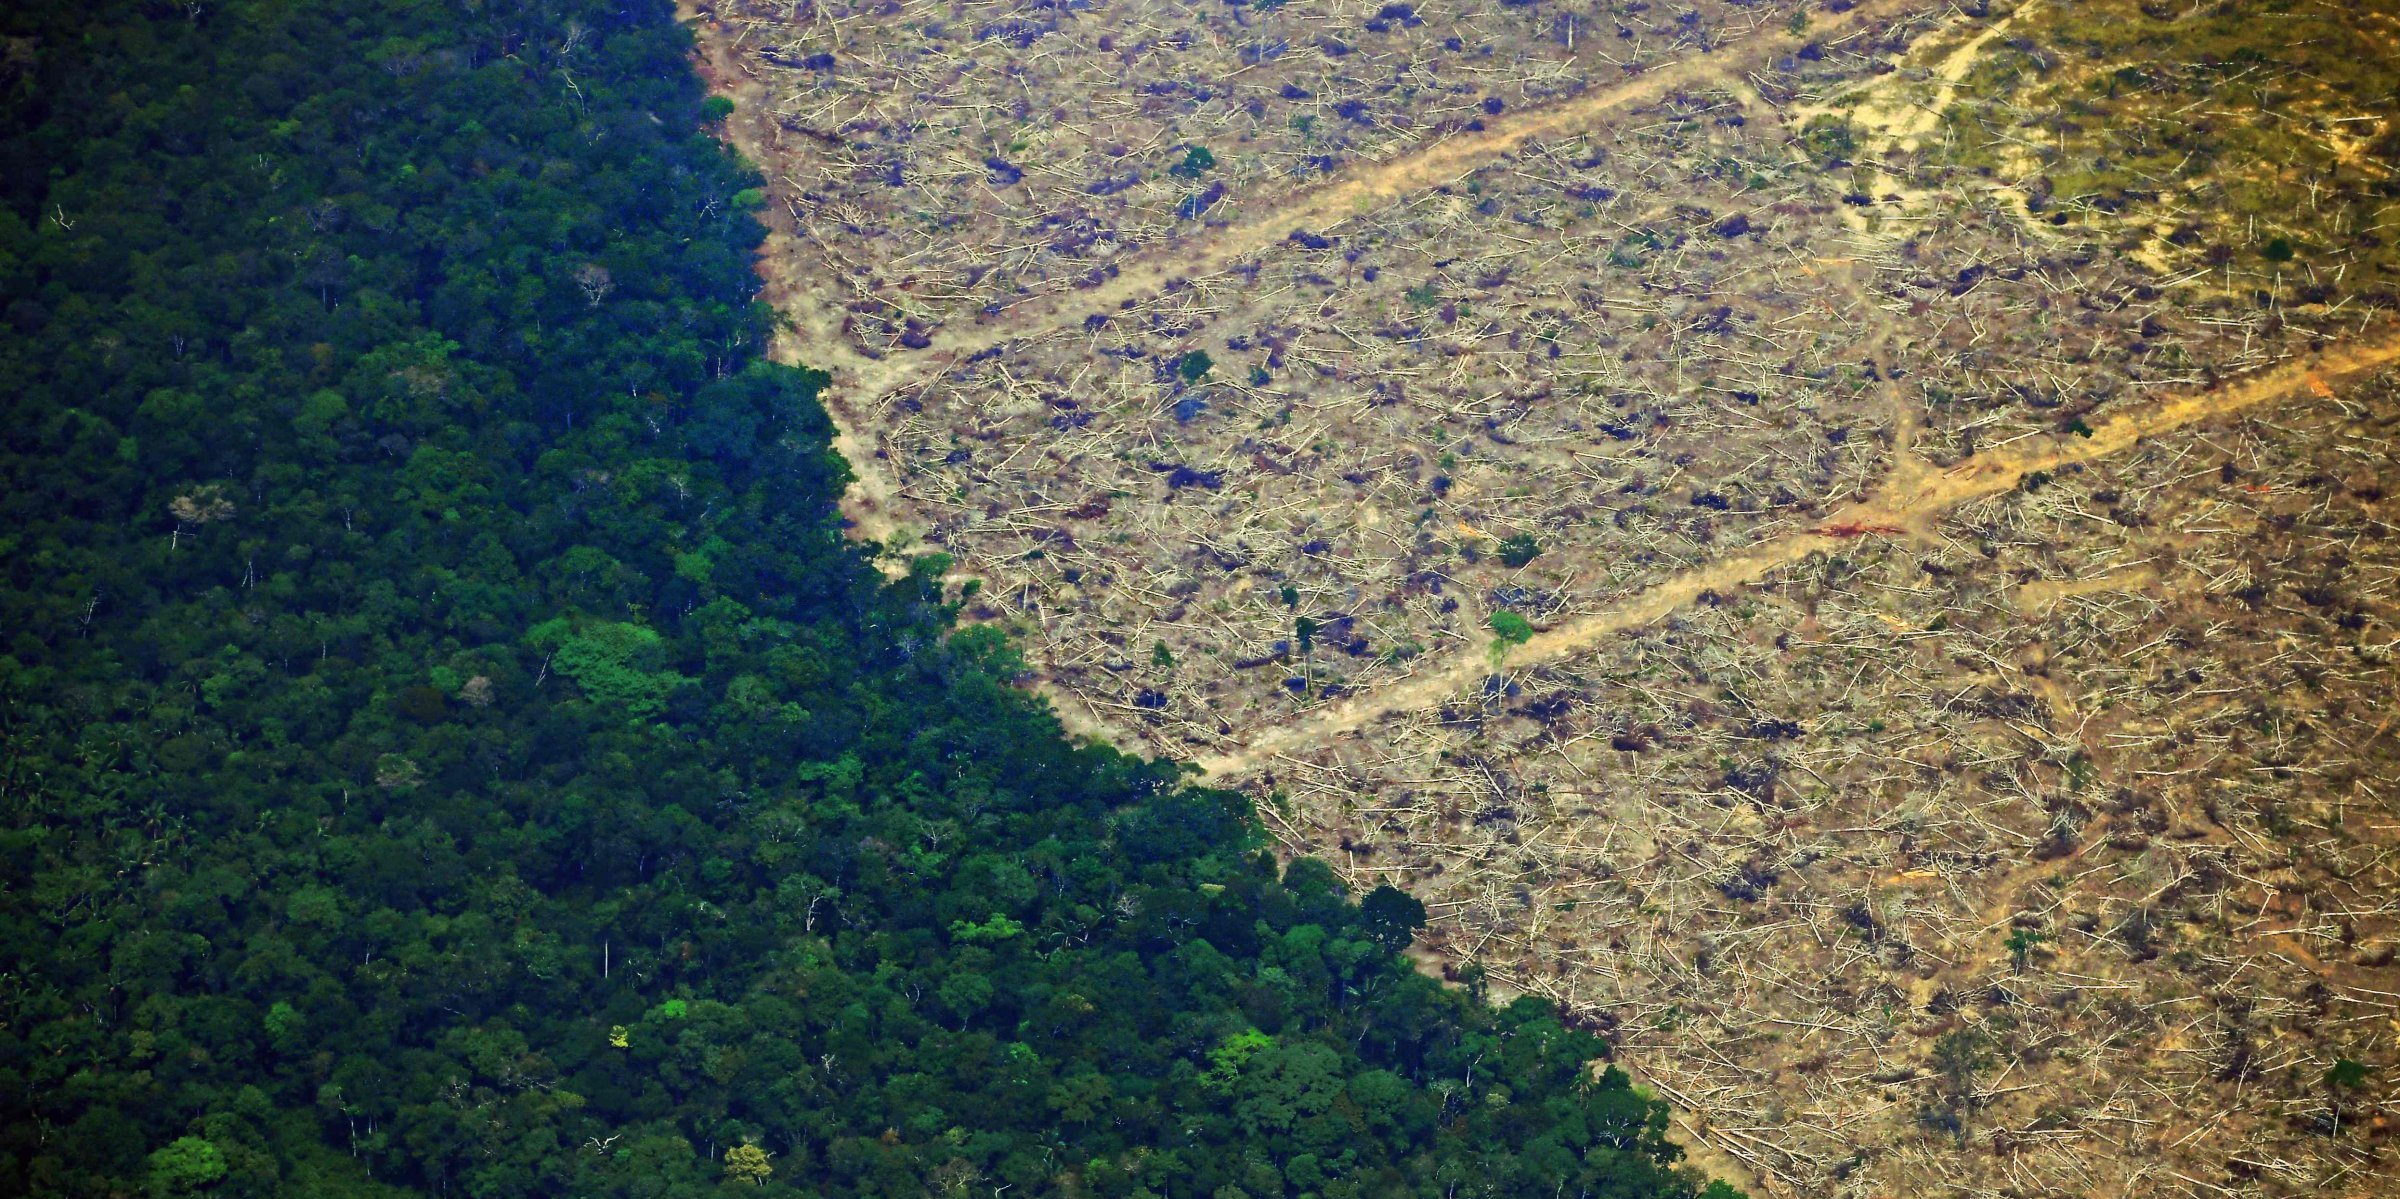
(1910, 659)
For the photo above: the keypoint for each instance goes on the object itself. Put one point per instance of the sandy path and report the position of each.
(1914, 499)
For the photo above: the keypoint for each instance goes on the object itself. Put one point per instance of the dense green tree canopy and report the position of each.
(448, 747)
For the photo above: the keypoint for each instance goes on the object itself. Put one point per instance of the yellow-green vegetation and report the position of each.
(2253, 141)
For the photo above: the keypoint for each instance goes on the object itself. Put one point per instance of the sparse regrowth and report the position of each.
(1510, 628)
